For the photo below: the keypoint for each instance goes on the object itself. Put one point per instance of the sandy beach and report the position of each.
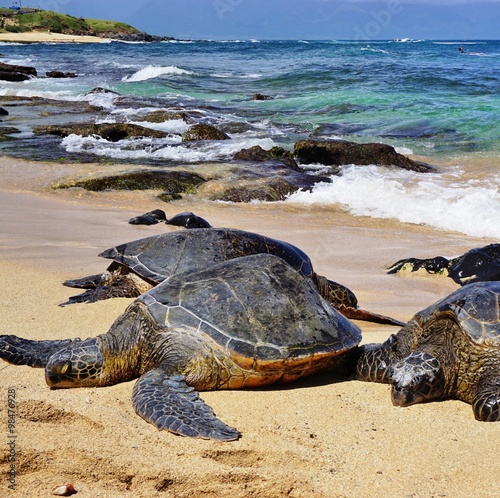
(48, 37)
(321, 437)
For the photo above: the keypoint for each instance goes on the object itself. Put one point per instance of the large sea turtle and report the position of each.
(245, 322)
(141, 264)
(449, 350)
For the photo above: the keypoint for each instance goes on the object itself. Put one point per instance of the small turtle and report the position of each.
(449, 350)
(139, 265)
(243, 323)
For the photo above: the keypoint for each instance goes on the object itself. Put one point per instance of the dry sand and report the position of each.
(49, 37)
(322, 437)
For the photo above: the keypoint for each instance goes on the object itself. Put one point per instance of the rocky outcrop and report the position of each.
(11, 72)
(203, 132)
(340, 152)
(161, 116)
(3, 112)
(260, 96)
(60, 74)
(258, 154)
(112, 132)
(174, 181)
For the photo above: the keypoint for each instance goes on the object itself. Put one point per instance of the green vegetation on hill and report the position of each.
(46, 20)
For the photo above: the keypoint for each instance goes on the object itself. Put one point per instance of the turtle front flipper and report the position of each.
(21, 351)
(90, 282)
(486, 404)
(170, 403)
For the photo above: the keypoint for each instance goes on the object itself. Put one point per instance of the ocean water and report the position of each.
(423, 97)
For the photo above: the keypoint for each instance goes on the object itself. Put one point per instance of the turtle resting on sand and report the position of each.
(477, 265)
(140, 265)
(243, 323)
(449, 350)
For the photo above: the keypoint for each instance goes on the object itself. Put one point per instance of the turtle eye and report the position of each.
(63, 368)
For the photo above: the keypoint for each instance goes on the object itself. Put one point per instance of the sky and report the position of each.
(294, 19)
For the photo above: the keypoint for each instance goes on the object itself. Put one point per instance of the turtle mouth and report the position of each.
(403, 397)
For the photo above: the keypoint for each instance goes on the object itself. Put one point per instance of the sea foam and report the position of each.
(151, 72)
(424, 199)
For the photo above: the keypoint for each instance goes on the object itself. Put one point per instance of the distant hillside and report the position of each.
(27, 20)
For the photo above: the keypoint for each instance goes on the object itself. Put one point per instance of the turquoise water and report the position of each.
(423, 97)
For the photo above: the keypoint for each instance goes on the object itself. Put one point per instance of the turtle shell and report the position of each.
(256, 308)
(477, 308)
(157, 257)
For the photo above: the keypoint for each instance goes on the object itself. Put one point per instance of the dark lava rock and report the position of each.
(257, 153)
(3, 112)
(151, 218)
(162, 116)
(169, 197)
(60, 74)
(11, 72)
(173, 181)
(260, 96)
(112, 132)
(339, 152)
(188, 220)
(477, 265)
(100, 89)
(203, 132)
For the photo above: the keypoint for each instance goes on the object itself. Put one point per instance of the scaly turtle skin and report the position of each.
(242, 323)
(449, 350)
(140, 265)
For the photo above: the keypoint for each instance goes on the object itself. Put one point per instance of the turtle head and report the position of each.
(416, 378)
(78, 365)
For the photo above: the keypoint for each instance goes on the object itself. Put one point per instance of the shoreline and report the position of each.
(49, 37)
(320, 437)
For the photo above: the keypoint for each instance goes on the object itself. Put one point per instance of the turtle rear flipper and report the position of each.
(368, 316)
(169, 403)
(21, 351)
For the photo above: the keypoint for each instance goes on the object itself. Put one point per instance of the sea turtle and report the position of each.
(141, 264)
(481, 264)
(449, 350)
(243, 323)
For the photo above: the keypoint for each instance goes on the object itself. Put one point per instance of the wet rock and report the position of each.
(100, 89)
(8, 130)
(11, 72)
(112, 132)
(173, 181)
(162, 116)
(151, 218)
(267, 190)
(60, 74)
(3, 112)
(169, 196)
(340, 152)
(257, 153)
(260, 96)
(188, 220)
(203, 132)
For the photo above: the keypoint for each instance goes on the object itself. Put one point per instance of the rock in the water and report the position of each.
(173, 181)
(109, 131)
(60, 74)
(3, 112)
(257, 153)
(203, 132)
(340, 152)
(260, 96)
(161, 116)
(11, 72)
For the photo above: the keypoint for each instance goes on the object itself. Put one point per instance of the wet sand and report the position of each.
(321, 437)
